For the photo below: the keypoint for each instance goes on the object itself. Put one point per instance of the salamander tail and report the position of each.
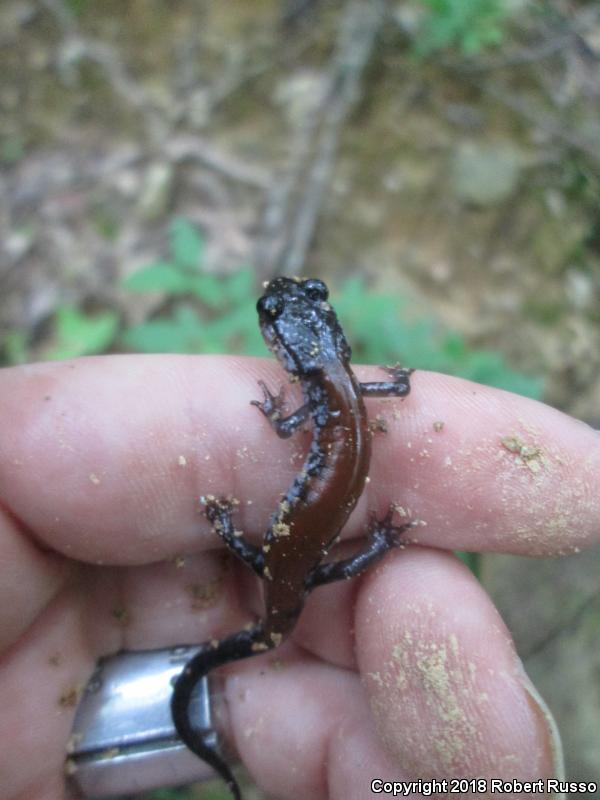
(237, 646)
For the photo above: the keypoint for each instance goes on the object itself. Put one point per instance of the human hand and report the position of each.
(405, 673)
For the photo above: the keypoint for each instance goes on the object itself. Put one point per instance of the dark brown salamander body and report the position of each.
(302, 329)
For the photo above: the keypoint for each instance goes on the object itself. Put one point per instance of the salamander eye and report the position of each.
(270, 305)
(315, 289)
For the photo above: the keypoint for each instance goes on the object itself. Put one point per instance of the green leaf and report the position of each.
(12, 149)
(381, 330)
(239, 286)
(161, 276)
(379, 326)
(237, 331)
(184, 332)
(187, 245)
(210, 289)
(78, 7)
(468, 25)
(15, 347)
(78, 333)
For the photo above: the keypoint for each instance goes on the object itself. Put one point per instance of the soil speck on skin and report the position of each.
(530, 455)
(73, 741)
(71, 696)
(431, 672)
(431, 683)
(70, 767)
(122, 616)
(204, 595)
(378, 425)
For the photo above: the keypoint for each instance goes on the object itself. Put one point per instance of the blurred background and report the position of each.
(437, 162)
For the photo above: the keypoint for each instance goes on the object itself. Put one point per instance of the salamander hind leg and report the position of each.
(382, 536)
(219, 511)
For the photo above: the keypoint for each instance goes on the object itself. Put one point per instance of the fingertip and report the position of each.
(444, 681)
(284, 709)
(490, 470)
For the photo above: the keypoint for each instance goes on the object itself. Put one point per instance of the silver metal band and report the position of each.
(123, 739)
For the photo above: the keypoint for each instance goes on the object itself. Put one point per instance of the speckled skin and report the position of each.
(302, 330)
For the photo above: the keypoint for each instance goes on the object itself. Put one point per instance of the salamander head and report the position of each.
(299, 326)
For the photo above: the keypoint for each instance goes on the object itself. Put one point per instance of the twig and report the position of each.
(106, 57)
(549, 124)
(358, 30)
(566, 36)
(64, 16)
(159, 121)
(288, 229)
(528, 55)
(553, 634)
(193, 148)
(563, 32)
(77, 47)
(271, 240)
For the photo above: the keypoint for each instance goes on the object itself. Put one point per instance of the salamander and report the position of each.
(301, 328)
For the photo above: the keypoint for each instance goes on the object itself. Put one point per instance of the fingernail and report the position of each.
(539, 706)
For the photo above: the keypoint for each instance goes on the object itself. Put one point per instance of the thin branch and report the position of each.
(294, 204)
(527, 55)
(64, 16)
(551, 125)
(77, 47)
(360, 24)
(569, 624)
(272, 240)
(193, 148)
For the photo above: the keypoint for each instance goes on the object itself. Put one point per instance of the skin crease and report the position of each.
(101, 464)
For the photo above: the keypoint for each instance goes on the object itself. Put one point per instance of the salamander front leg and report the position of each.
(382, 537)
(398, 386)
(272, 407)
(219, 513)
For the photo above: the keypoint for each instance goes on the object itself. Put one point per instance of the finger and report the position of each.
(446, 687)
(96, 612)
(41, 680)
(490, 470)
(285, 713)
(29, 579)
(116, 450)
(304, 729)
(441, 693)
(165, 604)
